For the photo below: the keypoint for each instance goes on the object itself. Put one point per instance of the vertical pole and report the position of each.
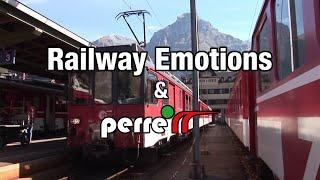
(144, 31)
(196, 167)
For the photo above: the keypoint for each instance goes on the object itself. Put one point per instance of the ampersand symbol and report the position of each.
(161, 91)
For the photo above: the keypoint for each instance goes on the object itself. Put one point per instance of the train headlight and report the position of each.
(75, 121)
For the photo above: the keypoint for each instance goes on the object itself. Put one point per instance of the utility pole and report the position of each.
(196, 168)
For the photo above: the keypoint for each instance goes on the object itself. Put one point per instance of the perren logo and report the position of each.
(145, 125)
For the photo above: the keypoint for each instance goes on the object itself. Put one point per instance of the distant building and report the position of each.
(215, 88)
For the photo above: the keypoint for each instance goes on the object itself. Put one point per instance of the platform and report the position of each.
(17, 161)
(220, 154)
(14, 153)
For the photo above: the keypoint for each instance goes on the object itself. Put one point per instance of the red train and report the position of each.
(94, 96)
(47, 99)
(276, 114)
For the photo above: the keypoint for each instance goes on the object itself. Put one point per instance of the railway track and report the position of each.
(143, 171)
(58, 165)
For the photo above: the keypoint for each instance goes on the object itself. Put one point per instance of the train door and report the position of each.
(152, 103)
(50, 113)
(184, 101)
(251, 86)
(244, 97)
(178, 100)
(172, 95)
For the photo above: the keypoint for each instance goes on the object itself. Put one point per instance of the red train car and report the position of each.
(276, 113)
(120, 94)
(47, 99)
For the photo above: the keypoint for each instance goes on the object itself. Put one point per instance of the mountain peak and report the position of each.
(113, 40)
(184, 15)
(177, 35)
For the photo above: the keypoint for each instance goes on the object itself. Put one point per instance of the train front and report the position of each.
(97, 95)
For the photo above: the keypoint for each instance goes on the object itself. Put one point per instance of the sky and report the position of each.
(92, 19)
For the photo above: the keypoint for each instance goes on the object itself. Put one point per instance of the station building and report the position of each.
(215, 88)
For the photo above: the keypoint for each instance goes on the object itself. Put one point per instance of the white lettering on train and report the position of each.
(308, 130)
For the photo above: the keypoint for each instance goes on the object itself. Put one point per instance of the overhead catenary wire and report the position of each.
(127, 3)
(154, 13)
(130, 7)
(253, 19)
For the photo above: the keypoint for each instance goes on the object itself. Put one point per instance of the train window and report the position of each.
(298, 38)
(80, 86)
(129, 88)
(264, 45)
(186, 103)
(283, 38)
(290, 35)
(103, 87)
(61, 104)
(151, 87)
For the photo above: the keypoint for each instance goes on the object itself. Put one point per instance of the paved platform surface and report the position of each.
(14, 153)
(220, 155)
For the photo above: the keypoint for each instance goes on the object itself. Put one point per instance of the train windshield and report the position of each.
(103, 87)
(80, 88)
(129, 88)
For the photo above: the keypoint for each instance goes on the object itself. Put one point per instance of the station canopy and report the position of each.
(29, 34)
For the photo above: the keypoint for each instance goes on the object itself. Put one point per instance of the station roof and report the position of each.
(30, 34)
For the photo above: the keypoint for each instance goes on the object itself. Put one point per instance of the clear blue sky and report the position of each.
(92, 19)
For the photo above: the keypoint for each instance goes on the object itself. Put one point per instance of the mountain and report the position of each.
(113, 40)
(178, 37)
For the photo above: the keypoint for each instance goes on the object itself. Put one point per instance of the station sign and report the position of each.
(7, 57)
